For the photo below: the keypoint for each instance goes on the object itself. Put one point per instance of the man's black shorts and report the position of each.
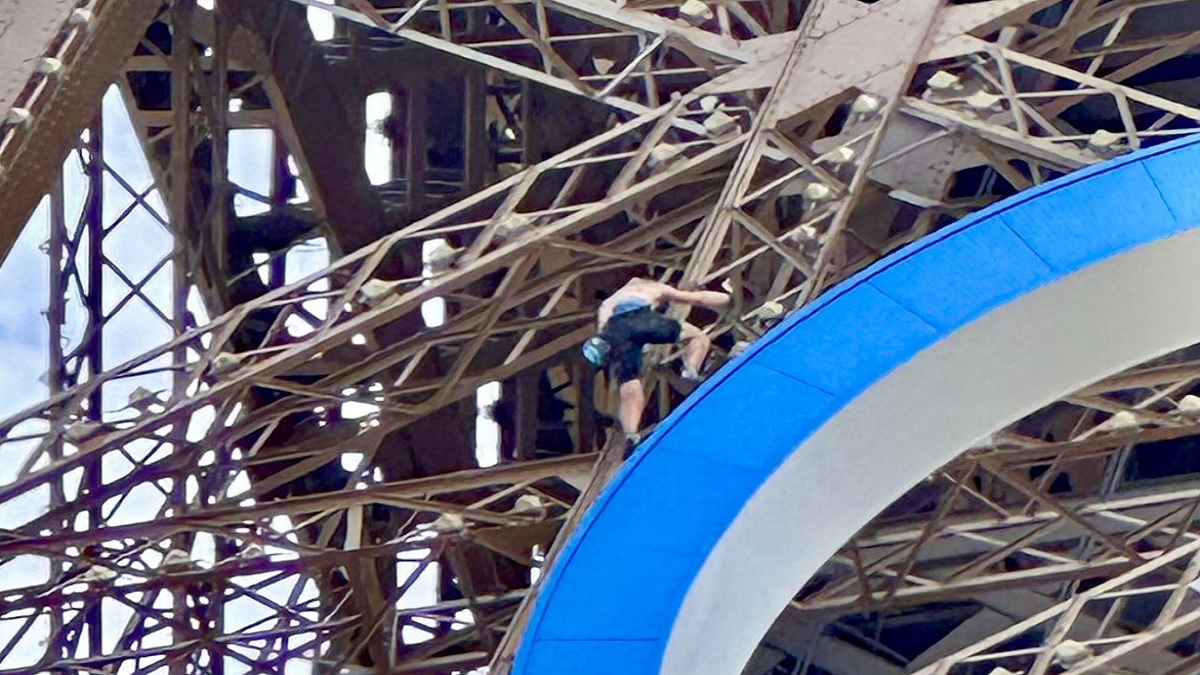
(629, 332)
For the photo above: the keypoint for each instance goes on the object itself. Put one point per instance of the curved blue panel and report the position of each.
(609, 604)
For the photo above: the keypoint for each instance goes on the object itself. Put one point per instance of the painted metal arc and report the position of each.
(653, 568)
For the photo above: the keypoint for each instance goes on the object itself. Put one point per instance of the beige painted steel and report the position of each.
(27, 27)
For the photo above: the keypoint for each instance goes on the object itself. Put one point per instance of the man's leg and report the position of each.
(695, 349)
(633, 404)
(626, 371)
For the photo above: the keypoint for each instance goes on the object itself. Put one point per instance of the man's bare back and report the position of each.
(651, 292)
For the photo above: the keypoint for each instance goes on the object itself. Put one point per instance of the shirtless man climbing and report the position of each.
(632, 318)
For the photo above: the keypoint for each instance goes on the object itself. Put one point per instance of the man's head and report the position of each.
(596, 350)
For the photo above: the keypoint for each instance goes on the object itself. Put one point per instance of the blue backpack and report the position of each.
(596, 350)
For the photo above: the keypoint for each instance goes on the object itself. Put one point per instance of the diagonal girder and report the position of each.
(631, 41)
(61, 57)
(1164, 581)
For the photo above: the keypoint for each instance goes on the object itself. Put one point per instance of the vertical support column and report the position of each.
(179, 180)
(218, 124)
(355, 100)
(56, 318)
(94, 222)
(56, 312)
(416, 145)
(283, 188)
(91, 352)
(399, 135)
(477, 162)
(518, 422)
(530, 146)
(179, 186)
(526, 409)
(583, 377)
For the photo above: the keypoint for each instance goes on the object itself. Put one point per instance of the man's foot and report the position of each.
(683, 382)
(631, 443)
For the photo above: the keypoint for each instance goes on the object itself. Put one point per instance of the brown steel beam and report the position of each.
(90, 48)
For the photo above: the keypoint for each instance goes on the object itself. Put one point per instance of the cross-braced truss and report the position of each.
(538, 154)
(1094, 486)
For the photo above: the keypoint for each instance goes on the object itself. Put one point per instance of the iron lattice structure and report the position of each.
(548, 149)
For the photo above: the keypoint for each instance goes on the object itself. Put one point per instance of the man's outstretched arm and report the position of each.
(708, 299)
